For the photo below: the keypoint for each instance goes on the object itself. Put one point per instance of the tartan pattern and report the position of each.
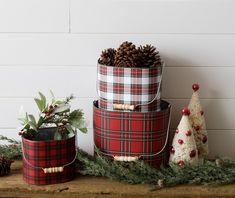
(119, 133)
(128, 86)
(147, 108)
(46, 154)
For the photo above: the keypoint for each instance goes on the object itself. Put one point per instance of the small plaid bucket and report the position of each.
(125, 88)
(128, 136)
(48, 162)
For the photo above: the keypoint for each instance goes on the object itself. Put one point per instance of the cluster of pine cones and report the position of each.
(5, 166)
(127, 55)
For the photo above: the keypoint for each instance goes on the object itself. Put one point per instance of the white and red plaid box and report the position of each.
(139, 87)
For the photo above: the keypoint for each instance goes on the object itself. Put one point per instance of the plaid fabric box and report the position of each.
(38, 155)
(132, 86)
(136, 134)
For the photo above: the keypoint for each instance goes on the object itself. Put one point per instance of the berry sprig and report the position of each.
(56, 114)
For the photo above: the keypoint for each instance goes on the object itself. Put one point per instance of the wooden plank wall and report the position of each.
(55, 44)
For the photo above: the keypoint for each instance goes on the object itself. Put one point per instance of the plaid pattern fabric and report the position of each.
(128, 86)
(47, 154)
(119, 133)
(146, 108)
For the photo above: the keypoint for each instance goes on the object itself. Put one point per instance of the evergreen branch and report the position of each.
(12, 150)
(140, 172)
(12, 141)
(69, 98)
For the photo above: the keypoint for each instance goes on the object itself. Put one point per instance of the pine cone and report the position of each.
(127, 55)
(107, 57)
(149, 56)
(5, 165)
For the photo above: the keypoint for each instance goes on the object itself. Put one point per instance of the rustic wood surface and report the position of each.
(95, 187)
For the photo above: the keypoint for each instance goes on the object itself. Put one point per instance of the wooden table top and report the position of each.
(85, 186)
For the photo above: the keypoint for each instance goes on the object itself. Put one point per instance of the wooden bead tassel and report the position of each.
(53, 170)
(123, 107)
(125, 158)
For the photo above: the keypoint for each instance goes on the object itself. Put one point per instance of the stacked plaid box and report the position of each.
(138, 133)
(132, 86)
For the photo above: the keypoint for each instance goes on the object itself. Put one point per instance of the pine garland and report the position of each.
(12, 150)
(141, 173)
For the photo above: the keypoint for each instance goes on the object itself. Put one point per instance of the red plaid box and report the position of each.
(130, 86)
(138, 135)
(39, 156)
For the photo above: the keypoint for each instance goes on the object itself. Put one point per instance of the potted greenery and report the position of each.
(48, 143)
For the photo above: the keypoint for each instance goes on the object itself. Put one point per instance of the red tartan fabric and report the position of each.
(47, 154)
(119, 133)
(150, 107)
(128, 86)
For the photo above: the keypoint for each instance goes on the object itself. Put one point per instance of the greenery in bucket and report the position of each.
(55, 114)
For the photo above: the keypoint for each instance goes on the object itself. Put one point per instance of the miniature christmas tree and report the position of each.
(184, 149)
(197, 121)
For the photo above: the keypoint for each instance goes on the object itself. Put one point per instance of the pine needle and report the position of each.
(140, 172)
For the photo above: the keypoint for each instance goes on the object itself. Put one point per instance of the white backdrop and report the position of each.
(55, 44)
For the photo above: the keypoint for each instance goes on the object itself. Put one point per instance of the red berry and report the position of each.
(172, 150)
(51, 107)
(188, 133)
(202, 112)
(180, 141)
(204, 140)
(180, 163)
(177, 130)
(185, 111)
(197, 128)
(195, 86)
(193, 153)
(20, 133)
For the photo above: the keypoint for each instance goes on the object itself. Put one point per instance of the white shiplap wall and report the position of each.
(54, 44)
